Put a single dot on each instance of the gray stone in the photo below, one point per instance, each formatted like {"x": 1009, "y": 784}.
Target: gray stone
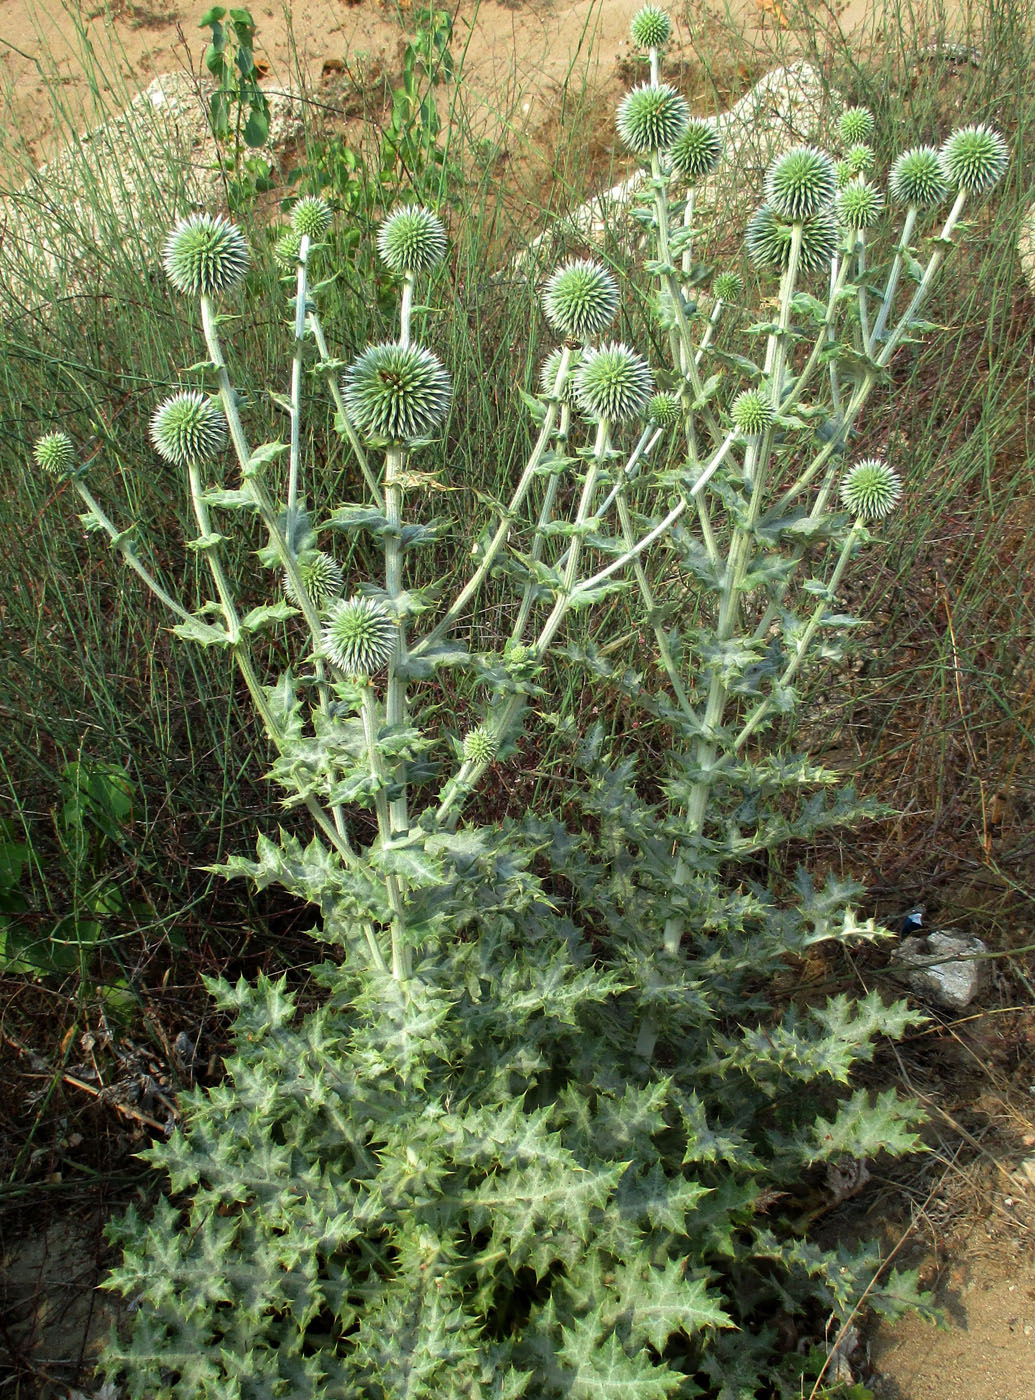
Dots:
{"x": 944, "y": 968}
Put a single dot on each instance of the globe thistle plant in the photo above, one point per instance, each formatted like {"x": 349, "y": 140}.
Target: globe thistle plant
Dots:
{"x": 663, "y": 411}
{"x": 855, "y": 126}
{"x": 411, "y": 240}
{"x": 697, "y": 152}
{"x": 480, "y": 745}
{"x": 320, "y": 576}
{"x": 651, "y": 28}
{"x": 752, "y": 412}
{"x": 580, "y": 299}
{"x": 311, "y": 217}
{"x": 359, "y": 636}
{"x": 613, "y": 383}
{"x": 205, "y": 254}
{"x": 917, "y": 178}
{"x": 286, "y": 250}
{"x": 682, "y": 575}
{"x": 651, "y": 118}
{"x": 54, "y": 454}
{"x": 859, "y": 159}
{"x": 769, "y": 239}
{"x": 728, "y": 287}
{"x": 188, "y": 428}
{"x": 973, "y": 158}
{"x": 396, "y": 393}
{"x": 800, "y": 183}
{"x": 858, "y": 205}
{"x": 871, "y": 489}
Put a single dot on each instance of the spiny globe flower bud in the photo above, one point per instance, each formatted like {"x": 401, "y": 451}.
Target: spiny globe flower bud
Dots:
{"x": 871, "y": 489}
{"x": 858, "y": 205}
{"x": 973, "y": 158}
{"x": 697, "y": 152}
{"x": 859, "y": 159}
{"x": 548, "y": 376}
{"x": 728, "y": 286}
{"x": 843, "y": 174}
{"x": 480, "y": 745}
{"x": 580, "y": 299}
{"x": 188, "y": 428}
{"x": 917, "y": 178}
{"x": 613, "y": 383}
{"x": 769, "y": 239}
{"x": 752, "y": 413}
{"x": 663, "y": 410}
{"x": 311, "y": 217}
{"x": 800, "y": 183}
{"x": 54, "y": 453}
{"x": 396, "y": 392}
{"x": 411, "y": 240}
{"x": 651, "y": 117}
{"x": 204, "y": 254}
{"x": 359, "y": 636}
{"x": 286, "y": 250}
{"x": 320, "y": 575}
{"x": 855, "y": 125}
{"x": 651, "y": 28}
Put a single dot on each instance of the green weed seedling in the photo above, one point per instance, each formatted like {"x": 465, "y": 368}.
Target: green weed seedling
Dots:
{"x": 90, "y": 829}
{"x": 239, "y": 112}
{"x": 550, "y": 1131}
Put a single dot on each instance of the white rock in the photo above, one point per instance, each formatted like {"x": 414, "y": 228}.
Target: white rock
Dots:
{"x": 945, "y": 969}
{"x": 787, "y": 107}
{"x": 121, "y": 185}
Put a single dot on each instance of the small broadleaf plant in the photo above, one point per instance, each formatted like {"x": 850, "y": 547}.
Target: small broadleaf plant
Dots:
{"x": 550, "y": 1130}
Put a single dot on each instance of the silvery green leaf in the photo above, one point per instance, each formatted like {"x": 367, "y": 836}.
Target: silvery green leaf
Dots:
{"x": 194, "y": 630}
{"x": 262, "y": 617}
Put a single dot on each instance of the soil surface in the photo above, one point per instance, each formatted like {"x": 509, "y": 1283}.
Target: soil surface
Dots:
{"x": 517, "y": 56}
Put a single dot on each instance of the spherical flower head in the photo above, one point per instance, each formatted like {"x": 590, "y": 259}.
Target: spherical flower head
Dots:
{"x": 858, "y": 205}
{"x": 859, "y": 159}
{"x": 651, "y": 118}
{"x": 728, "y": 287}
{"x": 188, "y": 428}
{"x": 974, "y": 158}
{"x": 548, "y": 376}
{"x": 697, "y": 152}
{"x": 396, "y": 392}
{"x": 855, "y": 126}
{"x": 651, "y": 28}
{"x": 359, "y": 636}
{"x": 54, "y": 453}
{"x": 411, "y": 240}
{"x": 752, "y": 413}
{"x": 613, "y": 383}
{"x": 871, "y": 489}
{"x": 286, "y": 250}
{"x": 580, "y": 299}
{"x": 320, "y": 575}
{"x": 917, "y": 178}
{"x": 769, "y": 238}
{"x": 663, "y": 410}
{"x": 480, "y": 745}
{"x": 311, "y": 217}
{"x": 204, "y": 254}
{"x": 800, "y": 183}
{"x": 843, "y": 174}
